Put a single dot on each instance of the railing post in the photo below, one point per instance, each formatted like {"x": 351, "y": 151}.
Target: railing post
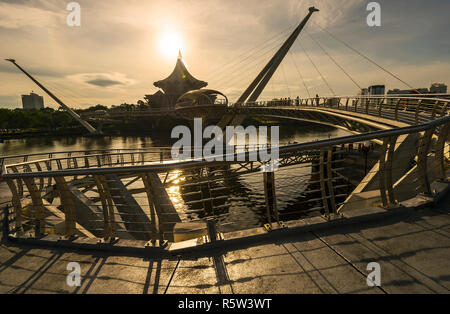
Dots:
{"x": 17, "y": 204}
{"x": 270, "y": 196}
{"x": 330, "y": 180}
{"x": 444, "y": 109}
{"x": 86, "y": 160}
{"x": 68, "y": 160}
{"x": 396, "y": 109}
{"x": 388, "y": 167}
{"x": 68, "y": 205}
{"x": 382, "y": 172}
{"x": 380, "y": 107}
{"x": 417, "y": 111}
{"x": 385, "y": 172}
{"x": 20, "y": 183}
{"x": 422, "y": 160}
{"x": 107, "y": 207}
{"x": 38, "y": 206}
{"x": 48, "y": 166}
{"x": 58, "y": 164}
{"x": 41, "y": 180}
{"x": 440, "y": 150}
{"x": 155, "y": 228}
{"x": 75, "y": 162}
{"x": 433, "y": 113}
{"x": 322, "y": 183}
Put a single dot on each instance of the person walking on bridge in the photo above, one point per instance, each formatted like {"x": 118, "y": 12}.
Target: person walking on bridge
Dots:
{"x": 317, "y": 100}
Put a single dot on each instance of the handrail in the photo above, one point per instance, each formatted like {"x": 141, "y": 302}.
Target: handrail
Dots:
{"x": 103, "y": 152}
{"x": 406, "y": 97}
{"x": 201, "y": 162}
{"x": 314, "y": 100}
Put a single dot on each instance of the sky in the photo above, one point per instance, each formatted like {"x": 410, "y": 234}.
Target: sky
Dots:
{"x": 122, "y": 47}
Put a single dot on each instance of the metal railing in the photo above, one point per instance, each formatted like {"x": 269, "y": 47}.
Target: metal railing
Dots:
{"x": 409, "y": 109}
{"x": 160, "y": 201}
{"x": 100, "y": 157}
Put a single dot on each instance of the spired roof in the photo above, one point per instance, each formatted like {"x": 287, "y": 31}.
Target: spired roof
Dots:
{"x": 180, "y": 81}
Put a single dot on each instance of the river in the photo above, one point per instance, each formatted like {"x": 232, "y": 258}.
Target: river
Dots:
{"x": 245, "y": 202}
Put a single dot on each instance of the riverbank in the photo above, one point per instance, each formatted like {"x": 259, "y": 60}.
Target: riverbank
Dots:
{"x": 18, "y": 134}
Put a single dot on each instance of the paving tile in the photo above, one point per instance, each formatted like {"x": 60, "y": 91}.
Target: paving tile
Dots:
{"x": 194, "y": 277}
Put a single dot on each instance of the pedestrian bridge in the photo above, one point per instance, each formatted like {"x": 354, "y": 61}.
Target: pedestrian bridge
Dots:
{"x": 136, "y": 194}
{"x": 357, "y": 114}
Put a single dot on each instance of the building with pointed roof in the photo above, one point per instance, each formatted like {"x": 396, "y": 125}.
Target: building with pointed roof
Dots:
{"x": 179, "y": 82}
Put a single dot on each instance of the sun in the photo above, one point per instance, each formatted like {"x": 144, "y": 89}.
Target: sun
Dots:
{"x": 170, "y": 43}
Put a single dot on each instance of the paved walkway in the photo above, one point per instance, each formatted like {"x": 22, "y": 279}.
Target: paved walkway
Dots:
{"x": 413, "y": 251}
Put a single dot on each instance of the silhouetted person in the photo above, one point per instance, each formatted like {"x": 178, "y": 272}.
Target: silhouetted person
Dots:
{"x": 317, "y": 100}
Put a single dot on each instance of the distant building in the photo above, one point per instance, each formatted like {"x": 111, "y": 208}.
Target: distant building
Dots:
{"x": 372, "y": 90}
{"x": 376, "y": 90}
{"x": 397, "y": 91}
{"x": 438, "y": 88}
{"x": 32, "y": 102}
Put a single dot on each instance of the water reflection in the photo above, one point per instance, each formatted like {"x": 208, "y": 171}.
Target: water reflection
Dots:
{"x": 237, "y": 201}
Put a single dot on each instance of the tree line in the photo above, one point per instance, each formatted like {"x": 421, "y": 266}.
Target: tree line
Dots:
{"x": 44, "y": 119}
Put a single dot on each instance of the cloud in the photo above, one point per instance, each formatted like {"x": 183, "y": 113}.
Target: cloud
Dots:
{"x": 102, "y": 79}
{"x": 118, "y": 41}
{"x": 104, "y": 83}
{"x": 16, "y": 16}
{"x": 10, "y": 101}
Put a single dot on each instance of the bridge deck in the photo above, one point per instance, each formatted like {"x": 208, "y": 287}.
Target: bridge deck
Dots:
{"x": 412, "y": 249}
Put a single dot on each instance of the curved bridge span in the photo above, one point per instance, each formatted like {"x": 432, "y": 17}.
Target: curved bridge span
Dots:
{"x": 358, "y": 114}
{"x": 376, "y": 112}
{"x": 129, "y": 194}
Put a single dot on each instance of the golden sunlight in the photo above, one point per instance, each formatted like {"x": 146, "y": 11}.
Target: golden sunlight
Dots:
{"x": 170, "y": 44}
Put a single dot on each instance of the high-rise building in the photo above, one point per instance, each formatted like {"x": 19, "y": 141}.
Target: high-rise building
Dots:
{"x": 32, "y": 102}
{"x": 376, "y": 90}
{"x": 438, "y": 88}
